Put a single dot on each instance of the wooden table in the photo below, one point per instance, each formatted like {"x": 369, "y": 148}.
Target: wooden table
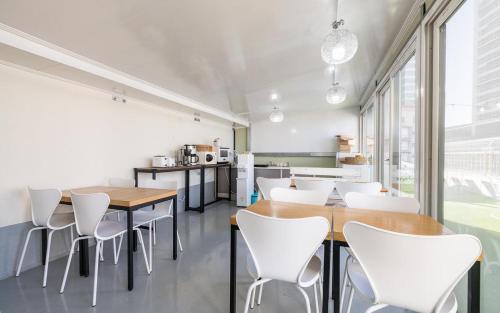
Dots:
{"x": 187, "y": 169}
{"x": 398, "y": 222}
{"x": 129, "y": 200}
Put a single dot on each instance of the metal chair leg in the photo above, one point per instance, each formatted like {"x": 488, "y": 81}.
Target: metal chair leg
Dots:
{"x": 96, "y": 271}
{"x": 26, "y": 241}
{"x": 68, "y": 264}
{"x": 47, "y": 258}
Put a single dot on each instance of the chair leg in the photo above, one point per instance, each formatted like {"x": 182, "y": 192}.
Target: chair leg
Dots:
{"x": 117, "y": 251}
{"x": 260, "y": 294}
{"x": 351, "y": 295}
{"x": 47, "y": 258}
{"x": 141, "y": 241}
{"x": 252, "y": 299}
{"x": 68, "y": 264}
{"x": 26, "y": 241}
{"x": 101, "y": 251}
{"x": 180, "y": 243}
{"x": 249, "y": 294}
{"x": 152, "y": 230}
{"x": 118, "y": 216}
{"x": 308, "y": 303}
{"x": 71, "y": 236}
{"x": 320, "y": 284}
{"x": 154, "y": 233}
{"x": 316, "y": 297}
{"x": 96, "y": 271}
{"x": 344, "y": 287}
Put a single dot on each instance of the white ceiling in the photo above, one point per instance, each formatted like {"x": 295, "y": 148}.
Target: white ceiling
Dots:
{"x": 229, "y": 54}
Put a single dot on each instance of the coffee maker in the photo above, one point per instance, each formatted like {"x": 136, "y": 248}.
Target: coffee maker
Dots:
{"x": 187, "y": 155}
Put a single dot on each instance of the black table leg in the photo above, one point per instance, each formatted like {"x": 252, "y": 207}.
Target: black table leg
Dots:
{"x": 326, "y": 274}
{"x": 84, "y": 257}
{"x": 229, "y": 192}
{"x": 136, "y": 177}
{"x": 186, "y": 191}
{"x": 336, "y": 278}
{"x": 474, "y": 288}
{"x": 216, "y": 179}
{"x": 174, "y": 229}
{"x": 44, "y": 245}
{"x": 202, "y": 189}
{"x": 232, "y": 273}
{"x": 134, "y": 241}
{"x": 130, "y": 254}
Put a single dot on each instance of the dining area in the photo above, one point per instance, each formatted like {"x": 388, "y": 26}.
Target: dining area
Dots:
{"x": 391, "y": 231}
{"x": 334, "y": 156}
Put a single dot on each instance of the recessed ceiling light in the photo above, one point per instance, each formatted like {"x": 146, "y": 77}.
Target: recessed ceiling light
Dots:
{"x": 274, "y": 97}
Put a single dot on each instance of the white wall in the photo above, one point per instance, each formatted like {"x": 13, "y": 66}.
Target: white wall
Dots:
{"x": 305, "y": 131}
{"x": 59, "y": 134}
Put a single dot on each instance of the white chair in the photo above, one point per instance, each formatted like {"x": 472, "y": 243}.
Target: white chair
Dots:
{"x": 416, "y": 273}
{"x": 283, "y": 249}
{"x": 353, "y": 274}
{"x": 382, "y": 203}
{"x": 312, "y": 197}
{"x": 343, "y": 187}
{"x": 43, "y": 204}
{"x": 89, "y": 211}
{"x": 149, "y": 217}
{"x": 307, "y": 184}
{"x": 266, "y": 184}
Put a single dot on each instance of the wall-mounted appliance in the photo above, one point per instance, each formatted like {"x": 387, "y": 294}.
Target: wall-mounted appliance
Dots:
{"x": 162, "y": 161}
{"x": 225, "y": 155}
{"x": 207, "y": 157}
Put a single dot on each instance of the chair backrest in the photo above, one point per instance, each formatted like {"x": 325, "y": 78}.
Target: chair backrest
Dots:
{"x": 43, "y": 204}
{"x": 160, "y": 184}
{"x": 367, "y": 188}
{"x": 417, "y": 273}
{"x": 121, "y": 182}
{"x": 382, "y": 203}
{"x": 306, "y": 184}
{"x": 266, "y": 184}
{"x": 89, "y": 211}
{"x": 281, "y": 248}
{"x": 313, "y": 197}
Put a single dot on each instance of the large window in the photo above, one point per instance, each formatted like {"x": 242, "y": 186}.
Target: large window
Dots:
{"x": 385, "y": 129}
{"x": 368, "y": 131}
{"x": 404, "y": 131}
{"x": 469, "y": 168}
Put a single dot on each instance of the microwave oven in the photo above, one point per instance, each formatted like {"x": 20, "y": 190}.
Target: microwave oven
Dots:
{"x": 225, "y": 155}
{"x": 207, "y": 157}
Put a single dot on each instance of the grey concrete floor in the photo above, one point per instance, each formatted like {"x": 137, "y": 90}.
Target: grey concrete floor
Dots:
{"x": 197, "y": 282}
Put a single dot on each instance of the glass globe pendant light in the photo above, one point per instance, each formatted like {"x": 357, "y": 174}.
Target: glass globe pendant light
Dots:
{"x": 276, "y": 115}
{"x": 336, "y": 94}
{"x": 339, "y": 46}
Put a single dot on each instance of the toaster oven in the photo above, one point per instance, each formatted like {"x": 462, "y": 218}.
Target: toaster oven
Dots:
{"x": 207, "y": 157}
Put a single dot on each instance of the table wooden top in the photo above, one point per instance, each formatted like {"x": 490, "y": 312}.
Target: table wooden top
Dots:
{"x": 123, "y": 197}
{"x": 399, "y": 222}
{"x": 288, "y": 210}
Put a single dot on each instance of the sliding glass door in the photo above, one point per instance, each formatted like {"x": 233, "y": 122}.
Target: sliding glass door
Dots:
{"x": 385, "y": 135}
{"x": 468, "y": 195}
{"x": 368, "y": 137}
{"x": 404, "y": 131}
{"x": 398, "y": 107}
